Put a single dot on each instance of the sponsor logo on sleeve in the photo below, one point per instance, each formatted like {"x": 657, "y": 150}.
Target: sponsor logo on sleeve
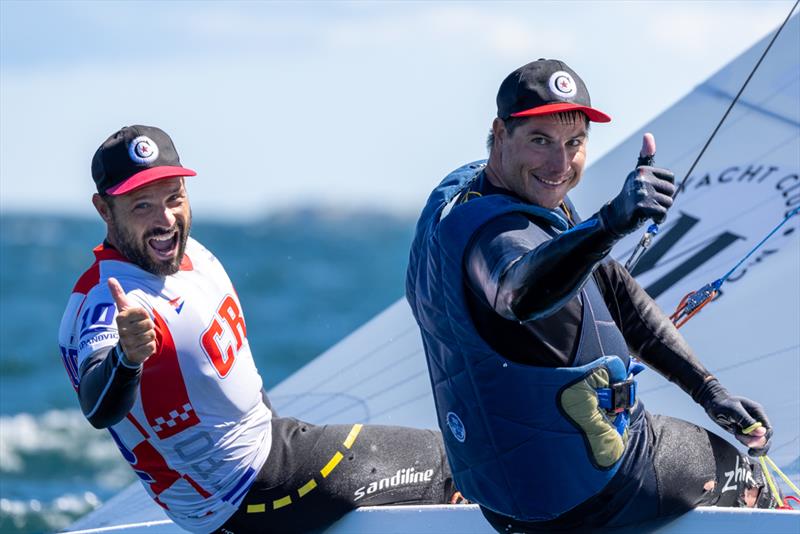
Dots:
{"x": 109, "y": 337}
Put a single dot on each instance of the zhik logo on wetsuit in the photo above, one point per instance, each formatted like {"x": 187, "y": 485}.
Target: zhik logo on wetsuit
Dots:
{"x": 739, "y": 474}
{"x": 401, "y": 478}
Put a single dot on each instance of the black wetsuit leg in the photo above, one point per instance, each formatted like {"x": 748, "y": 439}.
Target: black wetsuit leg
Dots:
{"x": 682, "y": 466}
{"x": 312, "y": 477}
{"x": 696, "y": 467}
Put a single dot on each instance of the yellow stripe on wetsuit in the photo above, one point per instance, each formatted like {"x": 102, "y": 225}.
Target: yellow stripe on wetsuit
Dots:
{"x": 311, "y": 484}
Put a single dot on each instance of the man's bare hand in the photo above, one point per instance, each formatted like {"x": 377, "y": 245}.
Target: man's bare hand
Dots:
{"x": 137, "y": 332}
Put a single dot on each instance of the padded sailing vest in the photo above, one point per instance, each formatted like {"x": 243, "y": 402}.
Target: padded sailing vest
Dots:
{"x": 526, "y": 442}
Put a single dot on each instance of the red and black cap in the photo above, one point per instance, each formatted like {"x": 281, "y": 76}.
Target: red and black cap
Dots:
{"x": 543, "y": 87}
{"x": 134, "y": 157}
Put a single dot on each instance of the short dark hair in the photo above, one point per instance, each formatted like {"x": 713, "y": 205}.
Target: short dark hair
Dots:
{"x": 512, "y": 123}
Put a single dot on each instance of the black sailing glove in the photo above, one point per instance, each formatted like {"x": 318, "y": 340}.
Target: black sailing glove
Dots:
{"x": 734, "y": 414}
{"x": 646, "y": 194}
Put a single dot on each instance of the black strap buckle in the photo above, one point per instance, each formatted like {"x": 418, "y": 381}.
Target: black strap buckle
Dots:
{"x": 619, "y": 397}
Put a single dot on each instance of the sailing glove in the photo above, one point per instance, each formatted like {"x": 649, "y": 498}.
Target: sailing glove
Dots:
{"x": 734, "y": 414}
{"x": 646, "y": 194}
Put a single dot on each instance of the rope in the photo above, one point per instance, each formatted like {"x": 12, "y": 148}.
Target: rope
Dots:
{"x": 770, "y": 482}
{"x": 782, "y": 475}
{"x": 694, "y": 301}
{"x": 766, "y": 462}
{"x": 727, "y": 275}
{"x": 736, "y": 98}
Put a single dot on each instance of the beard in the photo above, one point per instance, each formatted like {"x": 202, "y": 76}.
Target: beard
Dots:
{"x": 136, "y": 250}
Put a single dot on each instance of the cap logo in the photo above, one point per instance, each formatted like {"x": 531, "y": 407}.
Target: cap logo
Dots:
{"x": 143, "y": 150}
{"x": 562, "y": 85}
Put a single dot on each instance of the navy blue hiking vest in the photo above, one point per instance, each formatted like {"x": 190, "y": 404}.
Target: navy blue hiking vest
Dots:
{"x": 526, "y": 442}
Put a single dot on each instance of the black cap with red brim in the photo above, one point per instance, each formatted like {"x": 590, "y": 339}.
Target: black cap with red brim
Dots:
{"x": 544, "y": 87}
{"x": 133, "y": 157}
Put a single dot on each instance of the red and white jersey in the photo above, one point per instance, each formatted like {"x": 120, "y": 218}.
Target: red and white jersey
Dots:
{"x": 198, "y": 432}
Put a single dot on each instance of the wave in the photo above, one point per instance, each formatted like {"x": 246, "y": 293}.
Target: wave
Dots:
{"x": 24, "y": 516}
{"x": 49, "y": 455}
{"x": 28, "y": 442}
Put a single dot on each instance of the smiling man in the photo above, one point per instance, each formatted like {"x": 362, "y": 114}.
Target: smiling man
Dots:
{"x": 155, "y": 342}
{"x": 531, "y": 329}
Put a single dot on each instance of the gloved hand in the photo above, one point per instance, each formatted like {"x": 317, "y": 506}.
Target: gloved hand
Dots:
{"x": 735, "y": 414}
{"x": 646, "y": 194}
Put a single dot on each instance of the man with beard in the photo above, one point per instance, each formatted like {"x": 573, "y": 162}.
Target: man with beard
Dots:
{"x": 529, "y": 327}
{"x": 155, "y": 343}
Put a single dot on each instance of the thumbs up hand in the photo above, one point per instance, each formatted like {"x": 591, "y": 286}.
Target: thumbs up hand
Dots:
{"x": 137, "y": 332}
{"x": 646, "y": 194}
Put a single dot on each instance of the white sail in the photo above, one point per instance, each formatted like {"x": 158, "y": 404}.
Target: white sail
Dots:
{"x": 750, "y": 337}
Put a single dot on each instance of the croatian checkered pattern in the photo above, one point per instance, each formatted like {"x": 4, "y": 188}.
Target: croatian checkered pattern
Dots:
{"x": 174, "y": 417}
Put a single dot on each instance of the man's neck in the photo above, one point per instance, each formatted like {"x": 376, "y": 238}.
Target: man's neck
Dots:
{"x": 108, "y": 243}
{"x": 493, "y": 176}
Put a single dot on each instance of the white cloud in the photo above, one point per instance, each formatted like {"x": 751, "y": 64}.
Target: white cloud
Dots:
{"x": 490, "y": 29}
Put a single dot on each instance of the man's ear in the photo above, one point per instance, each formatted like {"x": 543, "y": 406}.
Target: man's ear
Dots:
{"x": 102, "y": 207}
{"x": 499, "y": 130}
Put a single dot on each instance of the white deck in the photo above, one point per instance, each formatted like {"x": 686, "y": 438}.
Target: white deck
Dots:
{"x": 467, "y": 519}
{"x": 442, "y": 519}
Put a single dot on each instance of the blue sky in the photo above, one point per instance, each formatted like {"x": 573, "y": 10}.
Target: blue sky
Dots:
{"x": 344, "y": 104}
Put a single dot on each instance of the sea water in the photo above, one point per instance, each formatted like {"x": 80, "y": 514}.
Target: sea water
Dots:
{"x": 306, "y": 279}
